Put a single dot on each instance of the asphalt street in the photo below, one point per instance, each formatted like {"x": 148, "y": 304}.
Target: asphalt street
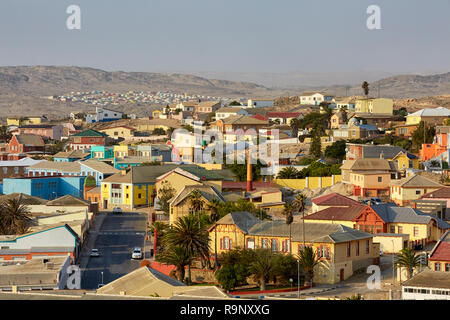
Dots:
{"x": 115, "y": 240}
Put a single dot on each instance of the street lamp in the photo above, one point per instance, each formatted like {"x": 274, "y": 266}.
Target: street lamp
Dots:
{"x": 102, "y": 278}
{"x": 393, "y": 264}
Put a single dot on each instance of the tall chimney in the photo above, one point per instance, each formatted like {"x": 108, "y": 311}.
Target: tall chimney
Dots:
{"x": 249, "y": 174}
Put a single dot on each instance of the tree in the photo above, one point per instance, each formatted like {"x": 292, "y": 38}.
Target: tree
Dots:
{"x": 299, "y": 204}
{"x": 423, "y": 134}
{"x": 177, "y": 256}
{"x": 315, "y": 149}
{"x": 288, "y": 212}
{"x": 308, "y": 261}
{"x": 165, "y": 193}
{"x": 234, "y": 103}
{"x": 365, "y": 87}
{"x": 336, "y": 150}
{"x": 5, "y": 136}
{"x": 14, "y": 218}
{"x": 187, "y": 127}
{"x": 196, "y": 202}
{"x": 213, "y": 206}
{"x": 90, "y": 182}
{"x": 190, "y": 235}
{"x": 235, "y": 268}
{"x": 159, "y": 132}
{"x": 407, "y": 259}
{"x": 262, "y": 267}
{"x": 288, "y": 173}
{"x": 285, "y": 267}
{"x": 295, "y": 125}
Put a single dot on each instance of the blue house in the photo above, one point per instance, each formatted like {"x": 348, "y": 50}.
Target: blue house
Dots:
{"x": 70, "y": 156}
{"x": 45, "y": 187}
{"x": 98, "y": 169}
{"x": 102, "y": 152}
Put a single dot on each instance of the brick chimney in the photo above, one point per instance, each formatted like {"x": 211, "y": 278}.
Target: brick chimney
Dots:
{"x": 249, "y": 174}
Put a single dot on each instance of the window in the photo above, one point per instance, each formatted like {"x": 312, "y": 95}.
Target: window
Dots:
{"x": 368, "y": 246}
{"x": 300, "y": 248}
{"x": 225, "y": 243}
{"x": 416, "y": 231}
{"x": 349, "y": 249}
{"x": 139, "y": 196}
{"x": 191, "y": 211}
{"x": 286, "y": 245}
{"x": 357, "y": 248}
{"x": 274, "y": 245}
{"x": 264, "y": 243}
{"x": 251, "y": 243}
{"x": 5, "y": 170}
{"x": 417, "y": 191}
{"x": 399, "y": 229}
{"x": 380, "y": 179}
{"x": 447, "y": 267}
{"x": 437, "y": 266}
{"x": 392, "y": 229}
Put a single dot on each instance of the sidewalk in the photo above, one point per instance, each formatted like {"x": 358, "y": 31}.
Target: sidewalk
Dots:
{"x": 89, "y": 243}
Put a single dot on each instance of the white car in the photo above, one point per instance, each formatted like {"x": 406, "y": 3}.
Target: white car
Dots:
{"x": 94, "y": 253}
{"x": 137, "y": 253}
{"x": 117, "y": 210}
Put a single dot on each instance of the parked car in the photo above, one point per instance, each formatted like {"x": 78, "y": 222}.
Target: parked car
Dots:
{"x": 137, "y": 253}
{"x": 117, "y": 210}
{"x": 94, "y": 253}
{"x": 376, "y": 200}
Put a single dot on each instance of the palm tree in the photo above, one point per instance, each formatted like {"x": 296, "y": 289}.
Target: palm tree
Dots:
{"x": 196, "y": 202}
{"x": 288, "y": 213}
{"x": 213, "y": 207}
{"x": 295, "y": 125}
{"x": 188, "y": 233}
{"x": 14, "y": 218}
{"x": 299, "y": 204}
{"x": 262, "y": 267}
{"x": 288, "y": 173}
{"x": 177, "y": 256}
{"x": 365, "y": 87}
{"x": 308, "y": 261}
{"x": 409, "y": 260}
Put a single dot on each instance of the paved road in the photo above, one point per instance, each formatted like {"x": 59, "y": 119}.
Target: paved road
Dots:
{"x": 115, "y": 240}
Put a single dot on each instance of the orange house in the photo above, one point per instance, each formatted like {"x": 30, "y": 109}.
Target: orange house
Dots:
{"x": 439, "y": 146}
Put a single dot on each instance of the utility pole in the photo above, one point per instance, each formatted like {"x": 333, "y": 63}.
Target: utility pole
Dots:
{"x": 298, "y": 278}
{"x": 393, "y": 264}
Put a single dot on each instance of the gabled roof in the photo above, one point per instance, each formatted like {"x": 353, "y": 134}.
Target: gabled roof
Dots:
{"x": 243, "y": 220}
{"x": 408, "y": 155}
{"x": 59, "y": 166}
{"x": 68, "y": 201}
{"x": 241, "y": 119}
{"x": 207, "y": 192}
{"x": 99, "y": 166}
{"x": 30, "y": 140}
{"x": 24, "y": 198}
{"x": 441, "y": 251}
{"x": 364, "y": 164}
{"x": 75, "y": 154}
{"x": 443, "y": 192}
{"x": 390, "y": 213}
{"x": 90, "y": 133}
{"x": 334, "y": 199}
{"x": 228, "y": 110}
{"x": 431, "y": 112}
{"x": 429, "y": 279}
{"x": 283, "y": 114}
{"x": 337, "y": 213}
{"x": 416, "y": 181}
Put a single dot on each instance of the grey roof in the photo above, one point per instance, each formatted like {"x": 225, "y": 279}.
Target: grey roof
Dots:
{"x": 243, "y": 220}
{"x": 429, "y": 279}
{"x": 391, "y": 214}
{"x": 207, "y": 192}
{"x": 314, "y": 232}
{"x": 100, "y": 166}
{"x": 374, "y": 151}
{"x": 69, "y": 201}
{"x": 55, "y": 165}
{"x": 417, "y": 181}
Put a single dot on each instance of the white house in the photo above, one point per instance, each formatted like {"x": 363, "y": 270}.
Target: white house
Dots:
{"x": 103, "y": 115}
{"x": 315, "y": 98}
{"x": 259, "y": 103}
{"x": 427, "y": 285}
{"x": 226, "y": 112}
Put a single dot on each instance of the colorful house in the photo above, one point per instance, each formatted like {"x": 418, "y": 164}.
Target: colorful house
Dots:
{"x": 406, "y": 160}
{"x": 269, "y": 200}
{"x": 439, "y": 259}
{"x": 433, "y": 116}
{"x": 21, "y": 120}
{"x": 379, "y": 106}
{"x": 102, "y": 152}
{"x": 405, "y": 190}
{"x": 24, "y": 144}
{"x": 49, "y": 131}
{"x": 87, "y": 139}
{"x": 97, "y": 169}
{"x": 357, "y": 151}
{"x": 121, "y": 131}
{"x": 440, "y": 146}
{"x": 342, "y": 250}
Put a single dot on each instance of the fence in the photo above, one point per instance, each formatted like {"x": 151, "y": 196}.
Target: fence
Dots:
{"x": 309, "y": 182}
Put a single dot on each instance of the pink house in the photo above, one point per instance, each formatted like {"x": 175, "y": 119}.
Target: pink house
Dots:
{"x": 53, "y": 132}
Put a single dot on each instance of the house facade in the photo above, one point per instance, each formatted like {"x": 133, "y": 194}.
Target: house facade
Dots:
{"x": 103, "y": 115}
{"x": 54, "y": 132}
{"x": 315, "y": 98}
{"x": 87, "y": 139}
{"x": 404, "y": 191}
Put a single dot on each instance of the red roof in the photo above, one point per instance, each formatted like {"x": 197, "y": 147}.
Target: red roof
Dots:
{"x": 440, "y": 193}
{"x": 283, "y": 114}
{"x": 334, "y": 199}
{"x": 337, "y": 213}
{"x": 260, "y": 117}
{"x": 442, "y": 251}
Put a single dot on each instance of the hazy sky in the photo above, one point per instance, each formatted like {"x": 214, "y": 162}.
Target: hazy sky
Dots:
{"x": 228, "y": 35}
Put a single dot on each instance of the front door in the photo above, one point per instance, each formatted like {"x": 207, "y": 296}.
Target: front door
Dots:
{"x": 341, "y": 275}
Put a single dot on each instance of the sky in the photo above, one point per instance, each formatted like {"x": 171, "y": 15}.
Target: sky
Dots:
{"x": 217, "y": 36}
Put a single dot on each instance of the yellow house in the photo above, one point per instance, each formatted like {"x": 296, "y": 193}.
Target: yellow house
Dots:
{"x": 332, "y": 200}
{"x": 341, "y": 250}
{"x": 156, "y": 113}
{"x": 340, "y": 215}
{"x": 21, "y": 120}
{"x": 406, "y": 160}
{"x": 119, "y": 132}
{"x": 379, "y": 106}
{"x": 271, "y": 201}
{"x": 189, "y": 176}
{"x": 180, "y": 204}
{"x": 122, "y": 151}
{"x": 434, "y": 116}
{"x": 412, "y": 188}
{"x": 132, "y": 188}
